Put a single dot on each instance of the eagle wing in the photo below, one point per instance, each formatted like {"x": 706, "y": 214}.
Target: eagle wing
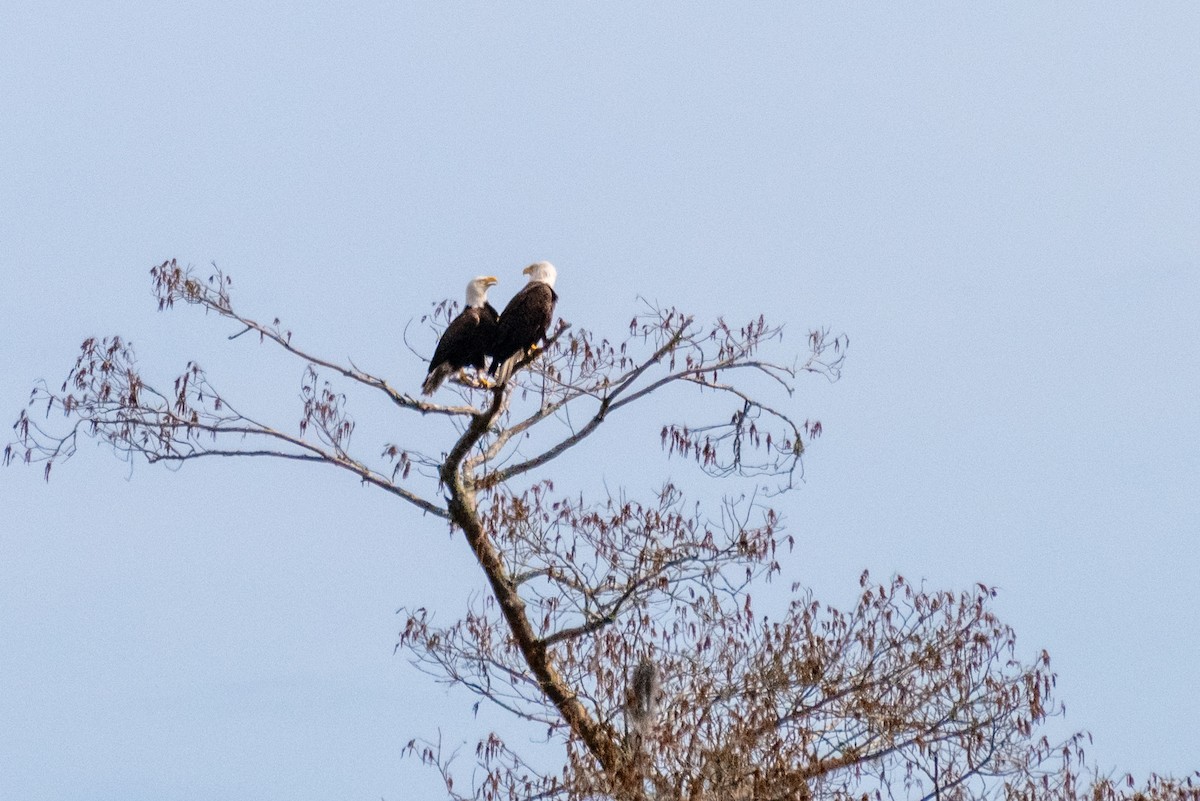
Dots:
{"x": 464, "y": 343}
{"x": 523, "y": 322}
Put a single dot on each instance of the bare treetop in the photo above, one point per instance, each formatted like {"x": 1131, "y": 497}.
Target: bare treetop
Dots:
{"x": 106, "y": 396}
{"x": 624, "y": 630}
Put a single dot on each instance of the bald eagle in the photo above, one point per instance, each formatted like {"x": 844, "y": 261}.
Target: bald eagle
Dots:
{"x": 524, "y": 320}
{"x": 467, "y": 339}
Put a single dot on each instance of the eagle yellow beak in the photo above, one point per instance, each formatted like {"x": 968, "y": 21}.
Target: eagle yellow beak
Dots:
{"x": 490, "y": 280}
{"x": 527, "y": 270}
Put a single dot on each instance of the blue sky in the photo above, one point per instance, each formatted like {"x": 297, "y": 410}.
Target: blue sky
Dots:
{"x": 997, "y": 204}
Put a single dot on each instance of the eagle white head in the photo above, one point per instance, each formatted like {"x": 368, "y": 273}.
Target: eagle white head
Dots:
{"x": 477, "y": 290}
{"x": 541, "y": 271}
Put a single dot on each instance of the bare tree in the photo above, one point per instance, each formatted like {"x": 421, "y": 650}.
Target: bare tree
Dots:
{"x": 625, "y": 628}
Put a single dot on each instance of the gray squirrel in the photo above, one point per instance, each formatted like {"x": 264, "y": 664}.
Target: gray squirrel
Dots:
{"x": 644, "y": 692}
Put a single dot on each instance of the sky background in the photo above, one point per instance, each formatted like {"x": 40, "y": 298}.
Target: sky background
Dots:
{"x": 997, "y": 204}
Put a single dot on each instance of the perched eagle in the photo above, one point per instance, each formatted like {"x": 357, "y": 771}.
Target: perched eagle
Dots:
{"x": 524, "y": 320}
{"x": 467, "y": 339}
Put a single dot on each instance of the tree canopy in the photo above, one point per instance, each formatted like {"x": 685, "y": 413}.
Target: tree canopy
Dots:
{"x": 621, "y": 626}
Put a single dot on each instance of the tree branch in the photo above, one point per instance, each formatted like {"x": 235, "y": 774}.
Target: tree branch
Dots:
{"x": 464, "y": 513}
{"x": 173, "y": 282}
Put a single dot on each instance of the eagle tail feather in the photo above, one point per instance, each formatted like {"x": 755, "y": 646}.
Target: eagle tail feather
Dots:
{"x": 508, "y": 367}
{"x": 435, "y": 378}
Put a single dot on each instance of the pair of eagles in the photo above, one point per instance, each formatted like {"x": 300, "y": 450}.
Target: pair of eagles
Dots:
{"x": 479, "y": 332}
